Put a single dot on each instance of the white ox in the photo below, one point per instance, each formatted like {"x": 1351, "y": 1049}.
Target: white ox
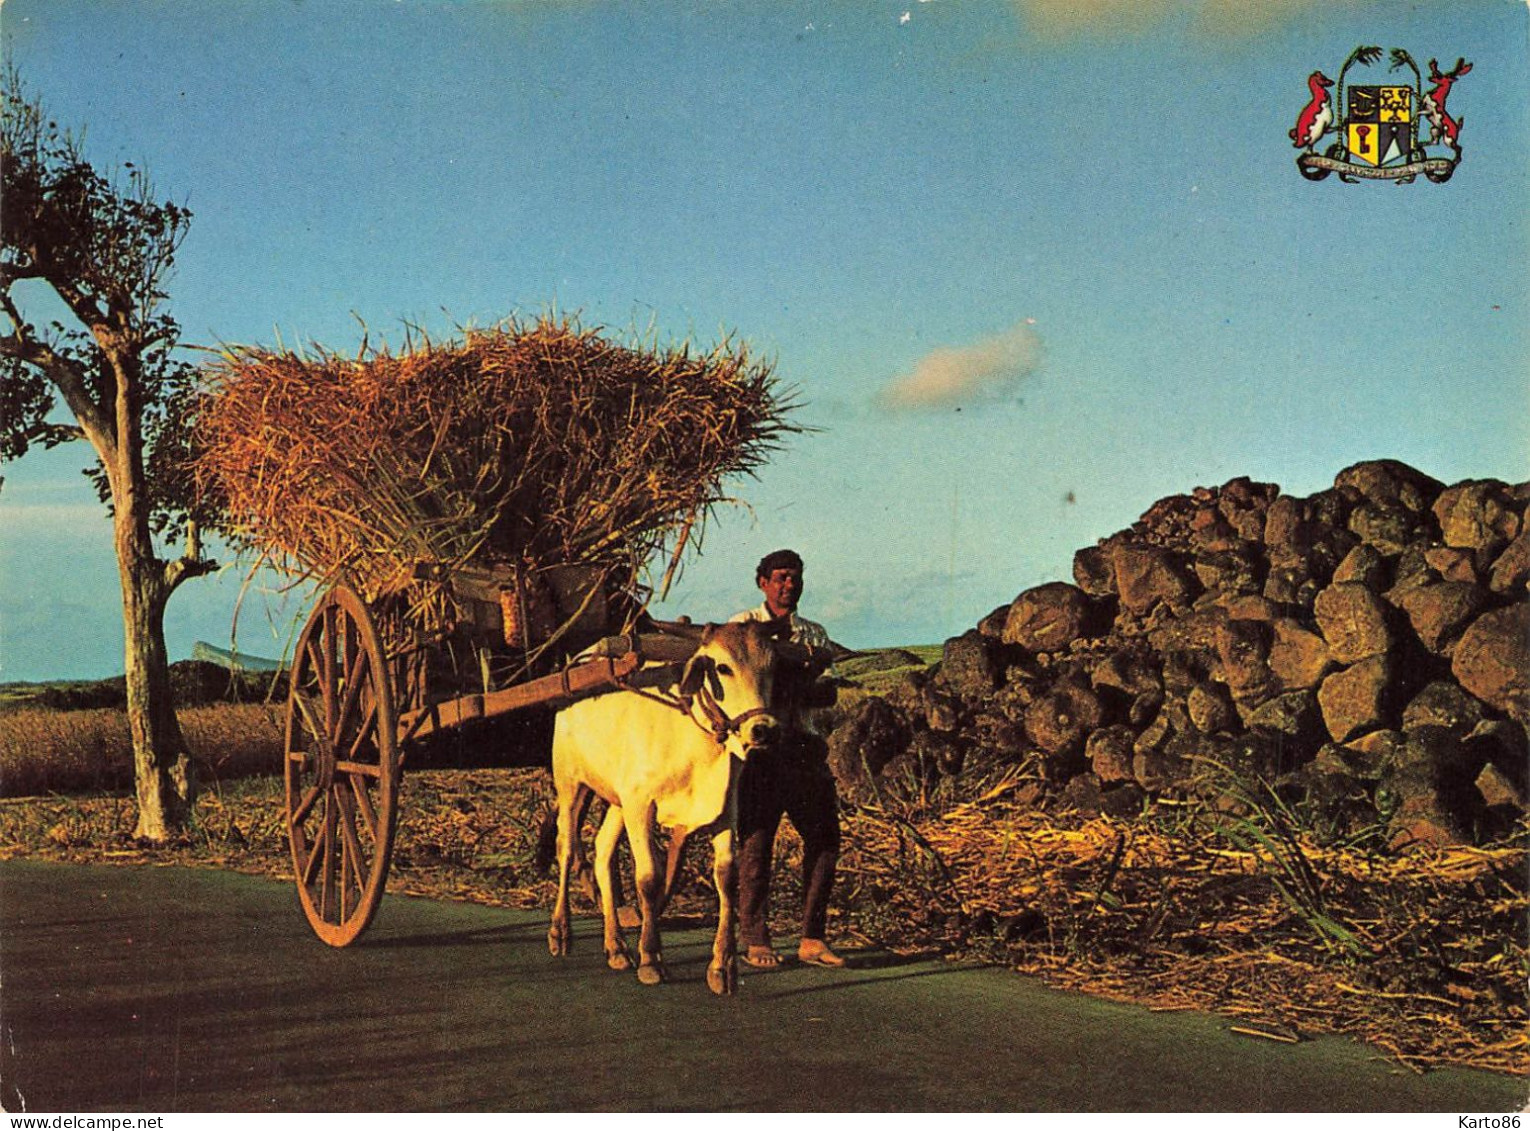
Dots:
{"x": 673, "y": 761}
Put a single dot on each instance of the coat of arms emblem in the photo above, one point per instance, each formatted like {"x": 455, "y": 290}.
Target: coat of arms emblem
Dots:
{"x": 1378, "y": 137}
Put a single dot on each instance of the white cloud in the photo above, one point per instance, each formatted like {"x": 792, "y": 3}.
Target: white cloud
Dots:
{"x": 984, "y": 371}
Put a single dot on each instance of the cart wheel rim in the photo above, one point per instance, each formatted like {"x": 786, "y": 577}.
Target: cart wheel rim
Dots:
{"x": 341, "y": 768}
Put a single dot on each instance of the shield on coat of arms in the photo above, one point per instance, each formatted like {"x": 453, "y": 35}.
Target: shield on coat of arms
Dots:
{"x": 1379, "y": 125}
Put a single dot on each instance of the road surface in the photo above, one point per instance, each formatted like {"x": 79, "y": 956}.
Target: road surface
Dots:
{"x": 138, "y": 989}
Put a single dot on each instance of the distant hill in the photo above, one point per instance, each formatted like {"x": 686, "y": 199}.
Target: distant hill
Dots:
{"x": 234, "y": 661}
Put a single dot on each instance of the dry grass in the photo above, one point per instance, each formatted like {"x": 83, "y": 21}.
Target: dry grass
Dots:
{"x": 528, "y": 445}
{"x": 44, "y": 751}
{"x": 1422, "y": 955}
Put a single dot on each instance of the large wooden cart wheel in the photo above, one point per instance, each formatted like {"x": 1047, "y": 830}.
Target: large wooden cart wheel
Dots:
{"x": 342, "y": 768}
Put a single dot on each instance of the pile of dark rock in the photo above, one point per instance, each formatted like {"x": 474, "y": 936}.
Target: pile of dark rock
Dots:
{"x": 1364, "y": 653}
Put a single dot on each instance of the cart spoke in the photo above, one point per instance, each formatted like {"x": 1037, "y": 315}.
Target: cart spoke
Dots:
{"x": 328, "y": 665}
{"x": 305, "y": 706}
{"x": 305, "y": 807}
{"x": 332, "y": 850}
{"x": 315, "y": 857}
{"x": 367, "y": 731}
{"x": 364, "y": 803}
{"x": 353, "y": 851}
{"x": 353, "y": 686}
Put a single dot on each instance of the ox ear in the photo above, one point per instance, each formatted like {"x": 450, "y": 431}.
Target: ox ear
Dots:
{"x": 695, "y": 673}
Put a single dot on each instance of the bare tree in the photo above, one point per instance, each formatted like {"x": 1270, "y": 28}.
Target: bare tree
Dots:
{"x": 105, "y": 250}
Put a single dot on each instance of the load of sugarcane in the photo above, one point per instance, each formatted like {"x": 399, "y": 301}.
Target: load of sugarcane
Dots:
{"x": 531, "y": 444}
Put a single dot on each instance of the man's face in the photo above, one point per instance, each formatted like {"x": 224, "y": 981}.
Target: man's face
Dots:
{"x": 782, "y": 589}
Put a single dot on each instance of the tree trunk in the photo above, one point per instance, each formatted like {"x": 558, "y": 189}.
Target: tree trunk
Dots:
{"x": 163, "y": 772}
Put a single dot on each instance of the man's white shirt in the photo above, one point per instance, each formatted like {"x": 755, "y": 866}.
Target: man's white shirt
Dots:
{"x": 806, "y": 632}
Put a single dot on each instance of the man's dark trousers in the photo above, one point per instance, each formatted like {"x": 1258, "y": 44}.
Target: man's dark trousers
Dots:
{"x": 793, "y": 779}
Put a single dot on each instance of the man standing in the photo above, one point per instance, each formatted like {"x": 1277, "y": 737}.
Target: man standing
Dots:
{"x": 791, "y": 779}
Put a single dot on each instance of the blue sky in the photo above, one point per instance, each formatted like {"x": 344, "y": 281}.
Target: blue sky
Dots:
{"x": 1072, "y": 235}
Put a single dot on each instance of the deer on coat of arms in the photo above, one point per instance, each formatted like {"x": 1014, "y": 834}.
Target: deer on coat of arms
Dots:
{"x": 1441, "y": 125}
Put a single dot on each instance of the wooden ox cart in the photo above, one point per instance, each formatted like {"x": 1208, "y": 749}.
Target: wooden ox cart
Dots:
{"x": 360, "y": 696}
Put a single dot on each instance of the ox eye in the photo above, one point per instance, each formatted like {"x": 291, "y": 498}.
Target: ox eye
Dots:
{"x": 724, "y": 670}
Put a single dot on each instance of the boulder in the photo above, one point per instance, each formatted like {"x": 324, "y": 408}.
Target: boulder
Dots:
{"x": 1193, "y": 631}
{"x": 1243, "y": 647}
{"x": 1511, "y": 569}
{"x": 1248, "y": 606}
{"x": 1497, "y": 788}
{"x": 994, "y": 740}
{"x": 870, "y": 737}
{"x": 1211, "y": 533}
{"x": 967, "y": 665}
{"x": 1059, "y": 722}
{"x": 1298, "y": 658}
{"x": 1293, "y": 716}
{"x": 1354, "y": 700}
{"x": 1095, "y": 571}
{"x": 1390, "y": 530}
{"x": 1492, "y": 660}
{"x": 1229, "y": 571}
{"x": 1391, "y": 483}
{"x": 1443, "y": 704}
{"x": 1452, "y": 564}
{"x": 1147, "y": 576}
{"x": 1109, "y": 751}
{"x": 1082, "y": 795}
{"x": 1440, "y": 611}
{"x": 1291, "y": 586}
{"x": 1050, "y": 617}
{"x": 1130, "y": 672}
{"x": 1506, "y": 746}
{"x": 1288, "y": 536}
{"x": 1410, "y": 570}
{"x": 1431, "y": 785}
{"x": 1364, "y": 565}
{"x": 1243, "y": 503}
{"x": 1353, "y": 620}
{"x": 992, "y": 625}
{"x": 1478, "y": 515}
{"x": 1210, "y": 709}
{"x": 1161, "y": 769}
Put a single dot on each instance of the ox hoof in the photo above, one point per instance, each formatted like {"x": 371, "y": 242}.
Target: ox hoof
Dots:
{"x": 723, "y": 980}
{"x": 651, "y": 973}
{"x": 558, "y": 942}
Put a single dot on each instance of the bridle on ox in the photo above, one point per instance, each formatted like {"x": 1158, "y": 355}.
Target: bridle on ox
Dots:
{"x": 719, "y": 724}
{"x": 722, "y": 725}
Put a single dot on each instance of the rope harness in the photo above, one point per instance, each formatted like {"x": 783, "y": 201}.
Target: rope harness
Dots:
{"x": 719, "y": 724}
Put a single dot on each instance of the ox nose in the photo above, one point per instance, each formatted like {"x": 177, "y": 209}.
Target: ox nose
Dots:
{"x": 761, "y": 731}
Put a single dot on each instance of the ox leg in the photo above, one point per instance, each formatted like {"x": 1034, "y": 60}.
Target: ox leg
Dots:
{"x": 722, "y": 974}
{"x": 606, "y": 841}
{"x": 580, "y": 872}
{"x": 560, "y": 935}
{"x": 677, "y": 838}
{"x": 650, "y": 892}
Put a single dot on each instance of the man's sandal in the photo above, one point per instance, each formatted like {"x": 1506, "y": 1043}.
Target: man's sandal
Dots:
{"x": 816, "y": 952}
{"x": 761, "y": 958}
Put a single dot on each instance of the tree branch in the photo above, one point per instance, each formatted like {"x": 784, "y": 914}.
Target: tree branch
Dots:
{"x": 67, "y": 375}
